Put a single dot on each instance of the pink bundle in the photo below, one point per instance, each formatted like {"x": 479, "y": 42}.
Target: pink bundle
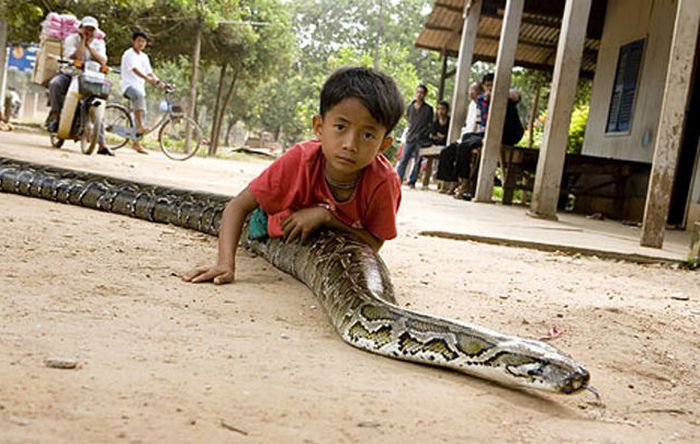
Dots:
{"x": 59, "y": 26}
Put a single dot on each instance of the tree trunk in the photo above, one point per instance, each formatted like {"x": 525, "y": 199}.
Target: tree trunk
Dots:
{"x": 3, "y": 61}
{"x": 380, "y": 36}
{"x": 214, "y": 139}
{"x": 196, "y": 52}
{"x": 229, "y": 127}
{"x": 218, "y": 118}
{"x": 533, "y": 111}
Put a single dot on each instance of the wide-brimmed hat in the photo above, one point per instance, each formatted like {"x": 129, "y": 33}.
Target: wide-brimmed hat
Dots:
{"x": 90, "y": 21}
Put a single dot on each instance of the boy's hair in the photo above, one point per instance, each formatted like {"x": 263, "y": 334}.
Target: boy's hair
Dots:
{"x": 487, "y": 78}
{"x": 444, "y": 103}
{"x": 377, "y": 92}
{"x": 138, "y": 33}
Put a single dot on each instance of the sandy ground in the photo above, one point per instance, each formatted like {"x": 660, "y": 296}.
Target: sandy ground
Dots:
{"x": 258, "y": 362}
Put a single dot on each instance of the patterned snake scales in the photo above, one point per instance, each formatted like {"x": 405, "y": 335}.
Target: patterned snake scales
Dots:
{"x": 350, "y": 280}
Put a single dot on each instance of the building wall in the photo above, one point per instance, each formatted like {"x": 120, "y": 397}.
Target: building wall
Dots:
{"x": 627, "y": 21}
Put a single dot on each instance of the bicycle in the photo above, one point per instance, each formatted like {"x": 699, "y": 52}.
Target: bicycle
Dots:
{"x": 179, "y": 136}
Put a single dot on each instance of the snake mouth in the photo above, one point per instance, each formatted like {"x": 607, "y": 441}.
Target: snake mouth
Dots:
{"x": 576, "y": 382}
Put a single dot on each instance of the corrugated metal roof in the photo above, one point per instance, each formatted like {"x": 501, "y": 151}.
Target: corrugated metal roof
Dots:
{"x": 539, "y": 32}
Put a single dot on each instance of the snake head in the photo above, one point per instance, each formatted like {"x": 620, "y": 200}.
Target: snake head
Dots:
{"x": 539, "y": 365}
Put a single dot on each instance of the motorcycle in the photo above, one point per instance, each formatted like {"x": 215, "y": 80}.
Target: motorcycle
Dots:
{"x": 84, "y": 106}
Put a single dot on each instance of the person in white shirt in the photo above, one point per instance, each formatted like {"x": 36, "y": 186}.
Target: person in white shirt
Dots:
{"x": 83, "y": 46}
{"x": 135, "y": 72}
{"x": 473, "y": 122}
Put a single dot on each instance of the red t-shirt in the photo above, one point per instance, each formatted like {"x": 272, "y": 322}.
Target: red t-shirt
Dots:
{"x": 297, "y": 180}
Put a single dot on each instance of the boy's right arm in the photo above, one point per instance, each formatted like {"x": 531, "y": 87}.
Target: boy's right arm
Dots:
{"x": 230, "y": 232}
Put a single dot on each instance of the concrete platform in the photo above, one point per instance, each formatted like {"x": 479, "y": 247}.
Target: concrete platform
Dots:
{"x": 431, "y": 213}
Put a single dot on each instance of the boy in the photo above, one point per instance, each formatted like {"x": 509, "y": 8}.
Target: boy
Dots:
{"x": 340, "y": 181}
{"x": 135, "y": 72}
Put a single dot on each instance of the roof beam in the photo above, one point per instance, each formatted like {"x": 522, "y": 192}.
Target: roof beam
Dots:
{"x": 449, "y": 7}
{"x": 432, "y": 27}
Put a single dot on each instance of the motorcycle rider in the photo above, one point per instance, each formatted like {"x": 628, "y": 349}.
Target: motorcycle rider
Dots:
{"x": 82, "y": 46}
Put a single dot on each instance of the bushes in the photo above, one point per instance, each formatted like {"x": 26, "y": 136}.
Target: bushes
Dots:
{"x": 577, "y": 129}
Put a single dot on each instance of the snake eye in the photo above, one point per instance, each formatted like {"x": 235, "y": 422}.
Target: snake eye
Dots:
{"x": 537, "y": 371}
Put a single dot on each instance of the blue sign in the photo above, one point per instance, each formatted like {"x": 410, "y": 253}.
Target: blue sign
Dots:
{"x": 22, "y": 57}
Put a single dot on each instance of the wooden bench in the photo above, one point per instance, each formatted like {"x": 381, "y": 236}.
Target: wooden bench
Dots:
{"x": 430, "y": 154}
{"x": 516, "y": 164}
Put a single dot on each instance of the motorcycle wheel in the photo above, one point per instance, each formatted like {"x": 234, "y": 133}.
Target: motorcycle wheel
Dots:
{"x": 91, "y": 130}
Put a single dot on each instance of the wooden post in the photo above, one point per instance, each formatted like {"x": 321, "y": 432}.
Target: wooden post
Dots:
{"x": 668, "y": 139}
{"x": 694, "y": 254}
{"x": 443, "y": 74}
{"x": 472, "y": 14}
{"x": 491, "y": 150}
{"x": 550, "y": 164}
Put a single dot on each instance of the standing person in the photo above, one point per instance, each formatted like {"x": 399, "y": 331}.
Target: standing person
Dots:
{"x": 341, "y": 181}
{"x": 135, "y": 72}
{"x": 420, "y": 120}
{"x": 85, "y": 47}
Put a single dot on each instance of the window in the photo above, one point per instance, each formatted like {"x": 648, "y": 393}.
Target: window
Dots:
{"x": 624, "y": 90}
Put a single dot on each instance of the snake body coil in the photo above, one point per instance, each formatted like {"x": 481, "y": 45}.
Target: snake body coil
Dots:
{"x": 350, "y": 280}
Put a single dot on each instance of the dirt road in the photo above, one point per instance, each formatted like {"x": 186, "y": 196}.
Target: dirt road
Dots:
{"x": 257, "y": 362}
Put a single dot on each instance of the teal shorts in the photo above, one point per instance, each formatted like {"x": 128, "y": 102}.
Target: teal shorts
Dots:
{"x": 257, "y": 224}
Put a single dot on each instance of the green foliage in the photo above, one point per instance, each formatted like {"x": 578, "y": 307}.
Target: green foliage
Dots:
{"x": 281, "y": 65}
{"x": 23, "y": 19}
{"x": 577, "y": 129}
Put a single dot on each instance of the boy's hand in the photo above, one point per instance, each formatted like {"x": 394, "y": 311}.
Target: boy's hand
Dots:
{"x": 219, "y": 274}
{"x": 303, "y": 223}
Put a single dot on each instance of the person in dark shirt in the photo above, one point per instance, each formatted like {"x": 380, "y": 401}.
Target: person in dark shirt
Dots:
{"x": 441, "y": 124}
{"x": 420, "y": 120}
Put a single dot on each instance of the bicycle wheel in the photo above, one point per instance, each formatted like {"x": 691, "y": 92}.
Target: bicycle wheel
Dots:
{"x": 91, "y": 131}
{"x": 174, "y": 141}
{"x": 116, "y": 116}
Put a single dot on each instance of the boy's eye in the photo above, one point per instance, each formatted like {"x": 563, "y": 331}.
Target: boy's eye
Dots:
{"x": 369, "y": 136}
{"x": 339, "y": 126}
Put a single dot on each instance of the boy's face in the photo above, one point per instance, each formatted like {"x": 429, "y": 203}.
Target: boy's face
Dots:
{"x": 140, "y": 43}
{"x": 442, "y": 110}
{"x": 420, "y": 94}
{"x": 350, "y": 139}
{"x": 488, "y": 86}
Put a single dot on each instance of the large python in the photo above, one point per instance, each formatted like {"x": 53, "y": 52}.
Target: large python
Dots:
{"x": 350, "y": 280}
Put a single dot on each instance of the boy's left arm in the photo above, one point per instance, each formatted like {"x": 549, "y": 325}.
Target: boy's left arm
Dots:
{"x": 305, "y": 222}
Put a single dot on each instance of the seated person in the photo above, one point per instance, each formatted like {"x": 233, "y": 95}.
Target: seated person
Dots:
{"x": 83, "y": 46}
{"x": 447, "y": 169}
{"x": 135, "y": 72}
{"x": 341, "y": 181}
{"x": 458, "y": 165}
{"x": 441, "y": 124}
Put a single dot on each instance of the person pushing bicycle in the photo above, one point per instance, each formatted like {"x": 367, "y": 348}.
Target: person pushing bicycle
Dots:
{"x": 135, "y": 72}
